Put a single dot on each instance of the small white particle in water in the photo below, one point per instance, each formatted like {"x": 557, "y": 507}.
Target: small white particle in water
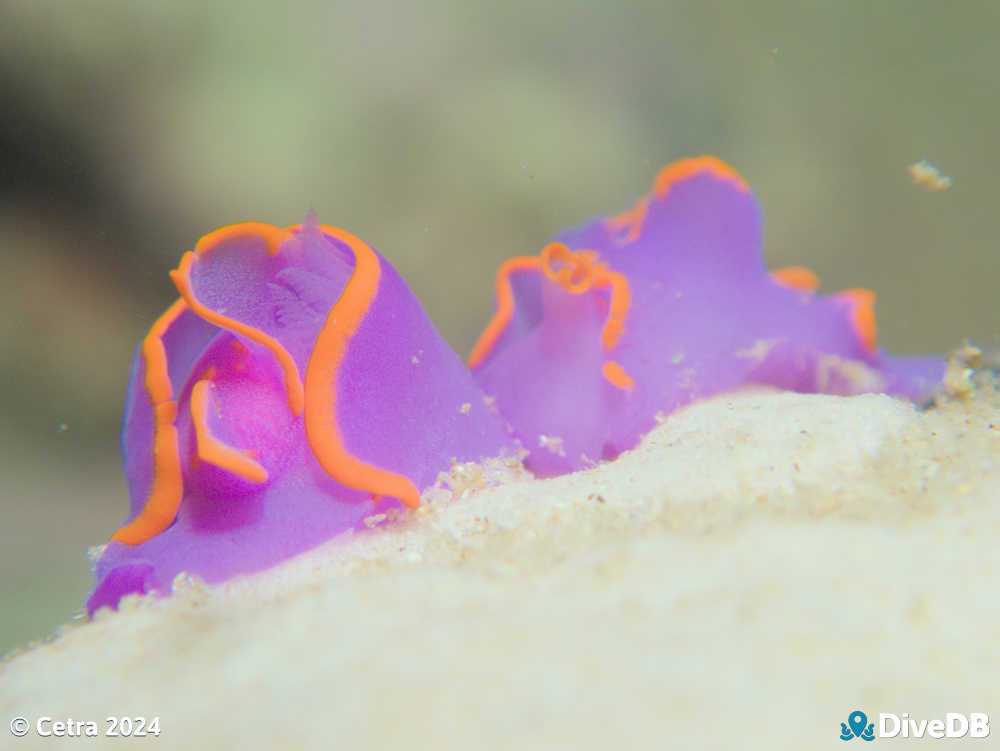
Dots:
{"x": 927, "y": 176}
{"x": 465, "y": 408}
{"x": 415, "y": 360}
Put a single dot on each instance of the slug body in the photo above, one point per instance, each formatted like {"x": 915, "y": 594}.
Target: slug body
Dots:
{"x": 296, "y": 388}
{"x": 632, "y": 316}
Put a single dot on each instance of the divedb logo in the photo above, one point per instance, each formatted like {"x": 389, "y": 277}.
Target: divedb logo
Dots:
{"x": 954, "y": 725}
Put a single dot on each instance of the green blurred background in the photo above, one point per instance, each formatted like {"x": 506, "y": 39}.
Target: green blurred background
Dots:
{"x": 449, "y": 135}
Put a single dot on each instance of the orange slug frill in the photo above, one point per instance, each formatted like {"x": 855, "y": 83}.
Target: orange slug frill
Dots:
{"x": 862, "y": 302}
{"x": 296, "y": 389}
{"x": 581, "y": 270}
{"x": 797, "y": 277}
{"x": 211, "y": 449}
{"x": 630, "y": 223}
{"x": 562, "y": 275}
{"x": 293, "y": 382}
{"x": 621, "y": 299}
{"x": 272, "y": 237}
{"x": 573, "y": 271}
{"x": 671, "y": 303}
{"x": 567, "y": 312}
{"x": 166, "y": 487}
{"x": 685, "y": 169}
{"x": 505, "y": 306}
{"x": 322, "y": 427}
{"x": 237, "y": 431}
{"x": 615, "y": 375}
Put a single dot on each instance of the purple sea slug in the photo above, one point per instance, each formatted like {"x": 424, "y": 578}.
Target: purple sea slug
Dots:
{"x": 294, "y": 389}
{"x": 629, "y": 317}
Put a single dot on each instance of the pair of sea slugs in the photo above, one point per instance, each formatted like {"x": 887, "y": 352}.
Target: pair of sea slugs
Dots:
{"x": 297, "y": 387}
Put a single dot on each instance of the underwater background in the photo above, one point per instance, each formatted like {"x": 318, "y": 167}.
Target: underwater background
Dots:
{"x": 449, "y": 136}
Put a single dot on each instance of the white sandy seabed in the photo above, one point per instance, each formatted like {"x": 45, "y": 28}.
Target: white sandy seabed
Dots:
{"x": 761, "y": 566}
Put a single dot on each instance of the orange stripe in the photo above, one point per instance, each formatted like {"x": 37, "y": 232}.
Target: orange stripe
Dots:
{"x": 685, "y": 168}
{"x": 669, "y": 176}
{"x": 505, "y": 306}
{"x": 167, "y": 484}
{"x": 597, "y": 275}
{"x": 211, "y": 449}
{"x": 322, "y": 430}
{"x": 157, "y": 379}
{"x": 616, "y": 376}
{"x": 632, "y": 219}
{"x": 862, "y": 315}
{"x": 797, "y": 277}
{"x": 575, "y": 266}
{"x": 641, "y": 207}
{"x": 271, "y": 235}
{"x": 624, "y": 219}
{"x": 621, "y": 300}
{"x": 293, "y": 382}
